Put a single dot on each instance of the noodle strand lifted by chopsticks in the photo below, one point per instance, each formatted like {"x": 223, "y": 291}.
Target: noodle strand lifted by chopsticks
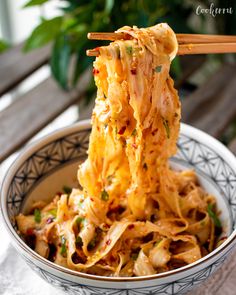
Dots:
{"x": 134, "y": 215}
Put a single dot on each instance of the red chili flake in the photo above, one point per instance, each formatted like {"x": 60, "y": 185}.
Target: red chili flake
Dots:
{"x": 131, "y": 226}
{"x": 49, "y": 220}
{"x": 112, "y": 258}
{"x": 151, "y": 151}
{"x": 122, "y": 130}
{"x": 30, "y": 231}
{"x": 134, "y": 145}
{"x": 154, "y": 132}
{"x": 106, "y": 225}
{"x": 133, "y": 71}
{"x": 95, "y": 71}
{"x": 127, "y": 122}
{"x": 59, "y": 194}
{"x": 92, "y": 199}
{"x": 108, "y": 242}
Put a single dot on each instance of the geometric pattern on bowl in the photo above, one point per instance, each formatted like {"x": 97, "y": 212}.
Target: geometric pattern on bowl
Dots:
{"x": 74, "y": 146}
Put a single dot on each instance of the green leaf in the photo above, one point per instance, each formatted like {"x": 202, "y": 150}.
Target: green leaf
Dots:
{"x": 109, "y": 5}
{"x": 60, "y": 60}
{"x": 34, "y": 3}
{"x": 3, "y": 46}
{"x": 212, "y": 214}
{"x": 43, "y": 33}
{"x": 37, "y": 215}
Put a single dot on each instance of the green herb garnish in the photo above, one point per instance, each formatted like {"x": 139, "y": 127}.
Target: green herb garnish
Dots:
{"x": 167, "y": 127}
{"x": 79, "y": 241}
{"x": 37, "y": 215}
{"x": 53, "y": 212}
{"x": 79, "y": 220}
{"x": 212, "y": 214}
{"x": 158, "y": 69}
{"x": 129, "y": 49}
{"x": 157, "y": 242}
{"x": 134, "y": 256}
{"x": 134, "y": 132}
{"x": 104, "y": 195}
{"x": 67, "y": 190}
{"x": 63, "y": 246}
{"x": 92, "y": 244}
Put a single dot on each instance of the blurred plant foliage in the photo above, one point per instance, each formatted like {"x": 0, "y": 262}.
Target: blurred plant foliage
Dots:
{"x": 68, "y": 31}
{"x": 3, "y": 46}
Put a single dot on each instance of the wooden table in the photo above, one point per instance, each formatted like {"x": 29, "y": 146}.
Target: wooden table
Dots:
{"x": 212, "y": 107}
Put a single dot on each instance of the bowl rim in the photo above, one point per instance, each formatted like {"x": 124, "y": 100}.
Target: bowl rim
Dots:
{"x": 83, "y": 125}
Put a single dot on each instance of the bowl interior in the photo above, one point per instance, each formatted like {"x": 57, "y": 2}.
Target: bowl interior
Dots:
{"x": 44, "y": 168}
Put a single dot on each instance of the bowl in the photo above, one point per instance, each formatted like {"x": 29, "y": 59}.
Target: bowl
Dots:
{"x": 51, "y": 162}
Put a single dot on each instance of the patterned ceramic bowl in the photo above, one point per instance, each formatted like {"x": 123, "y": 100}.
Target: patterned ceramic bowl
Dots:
{"x": 46, "y": 165}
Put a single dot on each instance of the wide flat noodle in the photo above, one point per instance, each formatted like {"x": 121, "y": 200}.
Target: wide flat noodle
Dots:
{"x": 133, "y": 215}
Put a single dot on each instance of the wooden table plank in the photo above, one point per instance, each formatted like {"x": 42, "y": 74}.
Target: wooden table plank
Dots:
{"x": 15, "y": 65}
{"x": 200, "y": 101}
{"x": 232, "y": 145}
{"x": 30, "y": 113}
{"x": 222, "y": 282}
{"x": 189, "y": 65}
{"x": 219, "y": 114}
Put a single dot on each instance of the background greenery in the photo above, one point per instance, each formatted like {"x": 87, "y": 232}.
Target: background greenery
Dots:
{"x": 68, "y": 31}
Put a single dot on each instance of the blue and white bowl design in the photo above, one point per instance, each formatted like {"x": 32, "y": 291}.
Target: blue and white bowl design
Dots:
{"x": 44, "y": 166}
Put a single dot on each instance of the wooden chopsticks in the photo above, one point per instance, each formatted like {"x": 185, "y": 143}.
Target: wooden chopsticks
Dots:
{"x": 188, "y": 43}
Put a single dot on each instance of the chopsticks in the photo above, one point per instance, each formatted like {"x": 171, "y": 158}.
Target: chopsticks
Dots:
{"x": 188, "y": 43}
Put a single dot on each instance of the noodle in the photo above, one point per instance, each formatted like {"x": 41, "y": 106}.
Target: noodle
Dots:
{"x": 134, "y": 215}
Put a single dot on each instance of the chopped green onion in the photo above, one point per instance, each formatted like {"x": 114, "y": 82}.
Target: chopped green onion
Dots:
{"x": 129, "y": 49}
{"x": 67, "y": 190}
{"x": 134, "y": 132}
{"x": 213, "y": 215}
{"x": 92, "y": 244}
{"x": 157, "y": 242}
{"x": 158, "y": 69}
{"x": 104, "y": 195}
{"x": 167, "y": 127}
{"x": 79, "y": 241}
{"x": 63, "y": 246}
{"x": 134, "y": 256}
{"x": 37, "y": 215}
{"x": 53, "y": 212}
{"x": 79, "y": 220}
